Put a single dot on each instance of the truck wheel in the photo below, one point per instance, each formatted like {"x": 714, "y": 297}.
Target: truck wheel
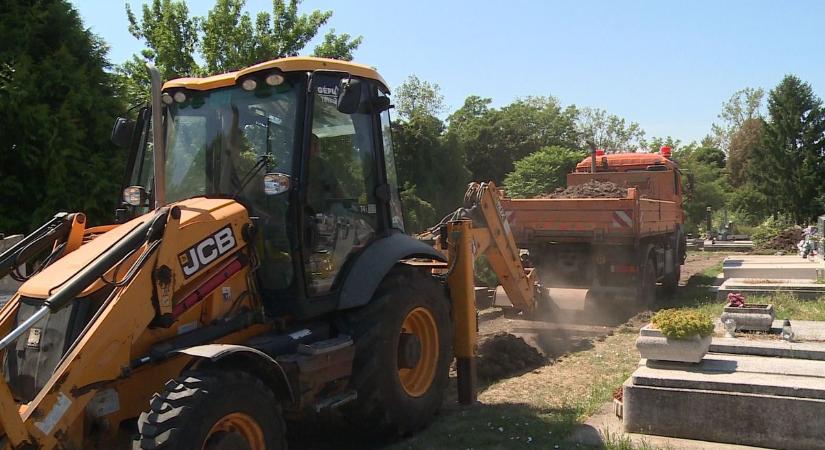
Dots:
{"x": 671, "y": 281}
{"x": 213, "y": 410}
{"x": 647, "y": 287}
{"x": 403, "y": 350}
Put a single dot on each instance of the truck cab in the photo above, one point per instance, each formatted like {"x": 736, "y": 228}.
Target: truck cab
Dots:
{"x": 653, "y": 175}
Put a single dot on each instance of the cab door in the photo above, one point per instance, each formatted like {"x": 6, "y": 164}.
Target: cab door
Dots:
{"x": 341, "y": 174}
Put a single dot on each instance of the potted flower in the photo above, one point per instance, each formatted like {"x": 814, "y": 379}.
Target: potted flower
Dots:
{"x": 748, "y": 316}
{"x": 618, "y": 399}
{"x": 676, "y": 335}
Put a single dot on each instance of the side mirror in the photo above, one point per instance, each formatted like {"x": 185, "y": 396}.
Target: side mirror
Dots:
{"x": 135, "y": 196}
{"x": 122, "y": 132}
{"x": 349, "y": 95}
{"x": 381, "y": 104}
{"x": 276, "y": 183}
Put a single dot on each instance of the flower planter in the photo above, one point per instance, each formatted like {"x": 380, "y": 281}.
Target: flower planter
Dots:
{"x": 618, "y": 408}
{"x": 654, "y": 346}
{"x": 750, "y": 317}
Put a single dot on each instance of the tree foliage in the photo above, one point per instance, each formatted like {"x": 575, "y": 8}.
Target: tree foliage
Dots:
{"x": 231, "y": 41}
{"x": 419, "y": 214}
{"x": 57, "y": 103}
{"x": 493, "y": 139}
{"x": 337, "y": 46}
{"x": 608, "y": 131}
{"x": 170, "y": 35}
{"x": 743, "y": 105}
{"x": 787, "y": 166}
{"x": 743, "y": 141}
{"x": 655, "y": 144}
{"x": 227, "y": 39}
{"x": 430, "y": 165}
{"x": 706, "y": 181}
{"x": 542, "y": 172}
{"x": 415, "y": 97}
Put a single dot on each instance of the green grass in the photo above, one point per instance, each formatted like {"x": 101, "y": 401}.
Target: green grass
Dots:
{"x": 697, "y": 296}
{"x": 619, "y": 441}
{"x": 786, "y": 306}
{"x": 540, "y": 408}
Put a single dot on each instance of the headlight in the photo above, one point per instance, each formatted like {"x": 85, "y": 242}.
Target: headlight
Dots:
{"x": 249, "y": 84}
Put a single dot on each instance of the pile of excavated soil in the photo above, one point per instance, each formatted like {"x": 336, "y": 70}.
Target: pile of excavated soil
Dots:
{"x": 786, "y": 240}
{"x": 503, "y": 355}
{"x": 591, "y": 189}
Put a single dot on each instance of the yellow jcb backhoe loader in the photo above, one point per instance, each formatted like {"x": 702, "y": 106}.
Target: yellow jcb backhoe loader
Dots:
{"x": 259, "y": 271}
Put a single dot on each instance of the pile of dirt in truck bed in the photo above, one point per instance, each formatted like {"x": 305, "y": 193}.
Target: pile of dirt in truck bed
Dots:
{"x": 591, "y": 189}
{"x": 786, "y": 240}
{"x": 503, "y": 355}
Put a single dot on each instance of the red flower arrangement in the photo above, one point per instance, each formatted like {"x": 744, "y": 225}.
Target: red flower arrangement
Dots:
{"x": 736, "y": 299}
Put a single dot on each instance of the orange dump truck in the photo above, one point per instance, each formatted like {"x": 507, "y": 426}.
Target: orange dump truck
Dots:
{"x": 612, "y": 246}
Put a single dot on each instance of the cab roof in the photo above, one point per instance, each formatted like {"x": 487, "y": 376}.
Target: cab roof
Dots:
{"x": 625, "y": 161}
{"x": 291, "y": 64}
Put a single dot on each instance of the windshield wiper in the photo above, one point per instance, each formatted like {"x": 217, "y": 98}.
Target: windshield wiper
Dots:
{"x": 262, "y": 161}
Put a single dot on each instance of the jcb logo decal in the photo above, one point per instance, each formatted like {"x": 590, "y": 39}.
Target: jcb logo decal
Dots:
{"x": 204, "y": 252}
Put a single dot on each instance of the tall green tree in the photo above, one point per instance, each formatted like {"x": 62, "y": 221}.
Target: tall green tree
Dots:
{"x": 542, "y": 172}
{"x": 57, "y": 104}
{"x": 741, "y": 149}
{"x": 789, "y": 167}
{"x": 228, "y": 36}
{"x": 231, "y": 41}
{"x": 226, "y": 39}
{"x": 493, "y": 139}
{"x": 430, "y": 164}
{"x": 608, "y": 131}
{"x": 705, "y": 180}
{"x": 171, "y": 38}
{"x": 742, "y": 106}
{"x": 337, "y": 46}
{"x": 416, "y": 97}
{"x": 170, "y": 35}
{"x": 655, "y": 144}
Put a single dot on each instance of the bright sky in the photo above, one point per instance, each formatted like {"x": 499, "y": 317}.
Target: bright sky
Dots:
{"x": 668, "y": 65}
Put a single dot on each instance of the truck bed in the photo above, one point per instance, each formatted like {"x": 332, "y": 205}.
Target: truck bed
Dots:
{"x": 608, "y": 220}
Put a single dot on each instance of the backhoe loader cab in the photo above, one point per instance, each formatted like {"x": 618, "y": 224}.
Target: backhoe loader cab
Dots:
{"x": 307, "y": 152}
{"x": 261, "y": 272}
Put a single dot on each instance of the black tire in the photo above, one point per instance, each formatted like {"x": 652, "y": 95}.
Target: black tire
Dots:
{"x": 383, "y": 406}
{"x": 671, "y": 281}
{"x": 183, "y": 415}
{"x": 647, "y": 285}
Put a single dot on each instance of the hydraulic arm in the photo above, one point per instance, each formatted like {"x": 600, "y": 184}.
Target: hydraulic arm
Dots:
{"x": 480, "y": 228}
{"x": 63, "y": 234}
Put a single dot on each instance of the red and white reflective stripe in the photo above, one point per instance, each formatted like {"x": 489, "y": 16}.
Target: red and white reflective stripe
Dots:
{"x": 623, "y": 269}
{"x": 622, "y": 219}
{"x": 207, "y": 287}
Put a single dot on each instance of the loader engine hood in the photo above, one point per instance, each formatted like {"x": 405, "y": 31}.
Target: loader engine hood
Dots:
{"x": 195, "y": 210}
{"x": 36, "y": 354}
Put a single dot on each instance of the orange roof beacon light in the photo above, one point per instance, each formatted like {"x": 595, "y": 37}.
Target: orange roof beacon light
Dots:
{"x": 666, "y": 151}
{"x": 599, "y": 152}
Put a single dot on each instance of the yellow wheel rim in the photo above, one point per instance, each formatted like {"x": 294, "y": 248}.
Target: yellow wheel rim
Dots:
{"x": 417, "y": 380}
{"x": 238, "y": 424}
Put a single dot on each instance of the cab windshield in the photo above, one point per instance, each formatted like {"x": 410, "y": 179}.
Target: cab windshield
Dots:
{"x": 222, "y": 142}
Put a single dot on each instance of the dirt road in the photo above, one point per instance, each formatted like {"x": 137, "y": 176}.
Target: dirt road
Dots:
{"x": 571, "y": 326}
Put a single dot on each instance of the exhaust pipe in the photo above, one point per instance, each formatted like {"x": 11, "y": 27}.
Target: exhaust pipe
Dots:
{"x": 592, "y": 146}
{"x": 158, "y": 143}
